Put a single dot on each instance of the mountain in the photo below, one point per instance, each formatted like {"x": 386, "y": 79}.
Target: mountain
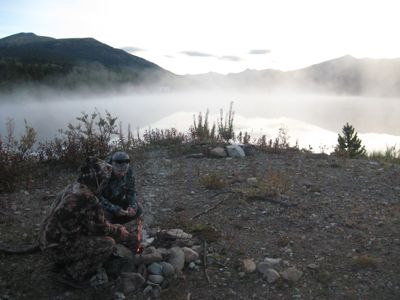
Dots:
{"x": 27, "y": 58}
{"x": 343, "y": 75}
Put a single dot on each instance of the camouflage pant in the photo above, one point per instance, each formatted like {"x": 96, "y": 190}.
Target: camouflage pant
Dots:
{"x": 82, "y": 259}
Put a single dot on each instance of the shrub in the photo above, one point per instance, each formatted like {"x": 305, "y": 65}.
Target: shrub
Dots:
{"x": 225, "y": 127}
{"x": 349, "y": 144}
{"x": 200, "y": 131}
{"x": 213, "y": 181}
{"x": 16, "y": 156}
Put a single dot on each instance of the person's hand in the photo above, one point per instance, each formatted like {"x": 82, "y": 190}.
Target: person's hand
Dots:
{"x": 124, "y": 233}
{"x": 131, "y": 212}
{"x": 122, "y": 212}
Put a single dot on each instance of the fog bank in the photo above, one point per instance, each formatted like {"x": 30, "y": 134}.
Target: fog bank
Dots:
{"x": 310, "y": 118}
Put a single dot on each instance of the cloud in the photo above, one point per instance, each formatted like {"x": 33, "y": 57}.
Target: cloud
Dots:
{"x": 132, "y": 49}
{"x": 197, "y": 54}
{"x": 230, "y": 58}
{"x": 259, "y": 51}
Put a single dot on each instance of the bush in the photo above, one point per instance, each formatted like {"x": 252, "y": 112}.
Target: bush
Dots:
{"x": 213, "y": 181}
{"x": 16, "y": 156}
{"x": 225, "y": 127}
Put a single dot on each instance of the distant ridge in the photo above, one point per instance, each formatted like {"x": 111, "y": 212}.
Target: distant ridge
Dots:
{"x": 29, "y": 58}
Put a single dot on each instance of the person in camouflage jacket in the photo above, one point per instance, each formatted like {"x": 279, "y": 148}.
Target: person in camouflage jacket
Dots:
{"x": 76, "y": 234}
{"x": 119, "y": 196}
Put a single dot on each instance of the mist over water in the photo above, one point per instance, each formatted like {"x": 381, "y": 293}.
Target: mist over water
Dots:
{"x": 310, "y": 119}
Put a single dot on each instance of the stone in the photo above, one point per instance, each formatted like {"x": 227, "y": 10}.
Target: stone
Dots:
{"x": 99, "y": 279}
{"x": 131, "y": 281}
{"x": 241, "y": 274}
{"x": 291, "y": 274}
{"x": 218, "y": 152}
{"x": 235, "y": 151}
{"x": 119, "y": 296}
{"x": 156, "y": 292}
{"x": 147, "y": 290}
{"x": 190, "y": 254}
{"x": 167, "y": 269}
{"x": 252, "y": 180}
{"x": 157, "y": 279}
{"x": 198, "y": 249}
{"x": 192, "y": 266}
{"x": 272, "y": 261}
{"x": 155, "y": 268}
{"x": 176, "y": 258}
{"x": 149, "y": 255}
{"x": 263, "y": 267}
{"x": 312, "y": 266}
{"x": 271, "y": 275}
{"x": 123, "y": 251}
{"x": 178, "y": 234}
{"x": 248, "y": 265}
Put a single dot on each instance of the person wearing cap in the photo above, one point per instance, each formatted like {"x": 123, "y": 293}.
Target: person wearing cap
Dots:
{"x": 119, "y": 196}
{"x": 75, "y": 235}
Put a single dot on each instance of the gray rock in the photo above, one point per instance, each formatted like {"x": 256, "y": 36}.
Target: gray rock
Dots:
{"x": 272, "y": 261}
{"x": 147, "y": 290}
{"x": 119, "y": 296}
{"x": 291, "y": 274}
{"x": 190, "y": 254}
{"x": 99, "y": 279}
{"x": 263, "y": 267}
{"x": 312, "y": 266}
{"x": 241, "y": 274}
{"x": 155, "y": 268}
{"x": 131, "y": 281}
{"x": 192, "y": 266}
{"x": 157, "y": 279}
{"x": 198, "y": 248}
{"x": 251, "y": 180}
{"x": 235, "y": 151}
{"x": 167, "y": 269}
{"x": 178, "y": 234}
{"x": 176, "y": 258}
{"x": 218, "y": 152}
{"x": 248, "y": 265}
{"x": 149, "y": 256}
{"x": 123, "y": 251}
{"x": 271, "y": 275}
{"x": 156, "y": 292}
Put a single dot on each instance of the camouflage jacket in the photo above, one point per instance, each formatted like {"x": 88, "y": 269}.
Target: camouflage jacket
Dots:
{"x": 75, "y": 212}
{"x": 119, "y": 193}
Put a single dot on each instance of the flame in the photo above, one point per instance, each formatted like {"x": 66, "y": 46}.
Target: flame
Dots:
{"x": 139, "y": 247}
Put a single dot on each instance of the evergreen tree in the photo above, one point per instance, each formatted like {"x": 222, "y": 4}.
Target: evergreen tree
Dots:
{"x": 349, "y": 142}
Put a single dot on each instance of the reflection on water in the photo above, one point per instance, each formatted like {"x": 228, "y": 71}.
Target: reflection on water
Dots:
{"x": 310, "y": 119}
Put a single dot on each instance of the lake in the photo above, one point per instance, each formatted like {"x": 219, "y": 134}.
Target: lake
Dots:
{"x": 310, "y": 119}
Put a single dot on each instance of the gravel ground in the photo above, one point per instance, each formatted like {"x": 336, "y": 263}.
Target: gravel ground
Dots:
{"x": 335, "y": 220}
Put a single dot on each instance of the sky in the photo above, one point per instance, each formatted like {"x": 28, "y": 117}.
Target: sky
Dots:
{"x": 223, "y": 36}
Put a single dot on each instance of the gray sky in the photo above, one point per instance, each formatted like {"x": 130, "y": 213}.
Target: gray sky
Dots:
{"x": 189, "y": 36}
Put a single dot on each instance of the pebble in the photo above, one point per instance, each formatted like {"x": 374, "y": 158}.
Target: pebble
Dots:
{"x": 190, "y": 254}
{"x": 272, "y": 275}
{"x": 291, "y": 274}
{"x": 155, "y": 268}
{"x": 157, "y": 279}
{"x": 167, "y": 269}
{"x": 312, "y": 266}
{"x": 177, "y": 258}
{"x": 131, "y": 281}
{"x": 241, "y": 274}
{"x": 248, "y": 265}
